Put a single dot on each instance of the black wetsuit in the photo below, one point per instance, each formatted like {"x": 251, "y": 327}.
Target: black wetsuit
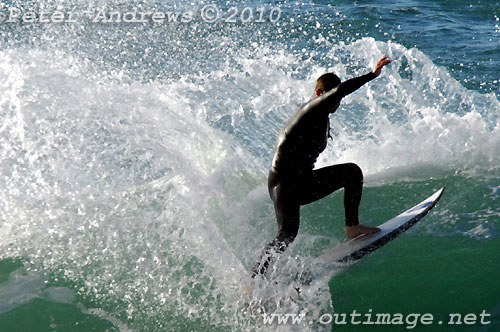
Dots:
{"x": 293, "y": 181}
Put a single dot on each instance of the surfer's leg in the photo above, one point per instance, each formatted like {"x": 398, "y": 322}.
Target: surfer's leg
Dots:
{"x": 326, "y": 180}
{"x": 276, "y": 246}
{"x": 287, "y": 210}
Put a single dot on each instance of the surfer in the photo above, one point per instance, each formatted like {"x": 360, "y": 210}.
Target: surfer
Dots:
{"x": 293, "y": 181}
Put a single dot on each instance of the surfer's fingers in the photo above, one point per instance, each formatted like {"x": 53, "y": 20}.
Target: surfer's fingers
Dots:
{"x": 382, "y": 60}
{"x": 385, "y": 61}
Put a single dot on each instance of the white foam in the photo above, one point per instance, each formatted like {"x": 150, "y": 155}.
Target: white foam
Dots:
{"x": 414, "y": 113}
{"x": 152, "y": 196}
{"x": 123, "y": 189}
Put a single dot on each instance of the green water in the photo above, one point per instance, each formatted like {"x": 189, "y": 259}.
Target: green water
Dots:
{"x": 46, "y": 315}
{"x": 438, "y": 267}
{"x": 424, "y": 274}
{"x": 42, "y": 315}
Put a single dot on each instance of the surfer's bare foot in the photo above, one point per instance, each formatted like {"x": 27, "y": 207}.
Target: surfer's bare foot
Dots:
{"x": 357, "y": 230}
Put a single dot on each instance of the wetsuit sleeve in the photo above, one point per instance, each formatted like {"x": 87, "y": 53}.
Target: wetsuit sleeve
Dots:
{"x": 319, "y": 107}
{"x": 332, "y": 97}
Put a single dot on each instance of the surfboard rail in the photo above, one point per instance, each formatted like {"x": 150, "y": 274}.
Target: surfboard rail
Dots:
{"x": 362, "y": 245}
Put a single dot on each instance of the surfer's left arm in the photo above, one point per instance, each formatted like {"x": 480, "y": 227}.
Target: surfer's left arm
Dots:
{"x": 331, "y": 98}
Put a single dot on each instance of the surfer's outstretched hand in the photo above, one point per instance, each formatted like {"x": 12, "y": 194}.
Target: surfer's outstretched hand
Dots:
{"x": 383, "y": 62}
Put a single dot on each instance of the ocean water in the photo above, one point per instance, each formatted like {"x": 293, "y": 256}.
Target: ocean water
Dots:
{"x": 134, "y": 156}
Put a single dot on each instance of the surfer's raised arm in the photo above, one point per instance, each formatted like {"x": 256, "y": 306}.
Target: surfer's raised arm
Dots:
{"x": 329, "y": 100}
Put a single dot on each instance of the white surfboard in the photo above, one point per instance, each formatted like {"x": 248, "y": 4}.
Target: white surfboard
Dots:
{"x": 364, "y": 244}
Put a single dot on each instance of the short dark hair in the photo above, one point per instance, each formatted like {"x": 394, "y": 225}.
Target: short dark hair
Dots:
{"x": 326, "y": 82}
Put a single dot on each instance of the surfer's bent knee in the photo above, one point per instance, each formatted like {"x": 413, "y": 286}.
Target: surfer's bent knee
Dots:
{"x": 356, "y": 172}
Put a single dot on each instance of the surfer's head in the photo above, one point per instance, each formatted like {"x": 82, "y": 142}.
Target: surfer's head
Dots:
{"x": 325, "y": 83}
